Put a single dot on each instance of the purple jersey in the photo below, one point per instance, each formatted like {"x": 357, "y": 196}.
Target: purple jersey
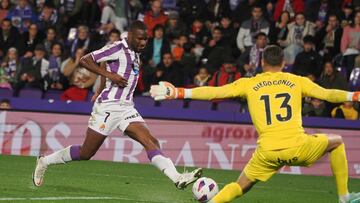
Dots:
{"x": 123, "y": 61}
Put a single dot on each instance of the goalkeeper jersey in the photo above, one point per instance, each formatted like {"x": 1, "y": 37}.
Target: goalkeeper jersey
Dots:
{"x": 275, "y": 103}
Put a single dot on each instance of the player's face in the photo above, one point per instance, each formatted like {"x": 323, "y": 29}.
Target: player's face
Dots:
{"x": 203, "y": 73}
{"x": 357, "y": 19}
{"x": 159, "y": 33}
{"x": 5, "y": 4}
{"x": 167, "y": 60}
{"x": 300, "y": 20}
{"x": 6, "y": 25}
{"x": 12, "y": 54}
{"x": 114, "y": 37}
{"x": 182, "y": 40}
{"x": 56, "y": 50}
{"x": 285, "y": 17}
{"x": 4, "y": 105}
{"x": 308, "y": 47}
{"x": 82, "y": 34}
{"x": 316, "y": 103}
{"x": 217, "y": 35}
{"x": 138, "y": 40}
{"x": 33, "y": 30}
{"x": 333, "y": 22}
{"x": 22, "y": 3}
{"x": 328, "y": 69}
{"x": 39, "y": 54}
{"x": 225, "y": 22}
{"x": 261, "y": 41}
{"x": 257, "y": 13}
{"x": 156, "y": 7}
{"x": 50, "y": 34}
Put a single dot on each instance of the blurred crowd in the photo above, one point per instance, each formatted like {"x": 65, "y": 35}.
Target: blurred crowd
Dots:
{"x": 191, "y": 43}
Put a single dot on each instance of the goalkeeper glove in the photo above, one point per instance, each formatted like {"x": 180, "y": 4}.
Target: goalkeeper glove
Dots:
{"x": 166, "y": 90}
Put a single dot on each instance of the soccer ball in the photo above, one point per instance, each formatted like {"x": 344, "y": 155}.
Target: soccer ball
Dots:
{"x": 204, "y": 189}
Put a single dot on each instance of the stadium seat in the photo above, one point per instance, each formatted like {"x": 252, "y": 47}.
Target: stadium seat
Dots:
{"x": 200, "y": 105}
{"x": 31, "y": 93}
{"x": 172, "y": 104}
{"x": 144, "y": 101}
{"x": 228, "y": 106}
{"x": 288, "y": 68}
{"x": 354, "y": 81}
{"x": 342, "y": 71}
{"x": 53, "y": 94}
{"x": 89, "y": 95}
{"x": 5, "y": 93}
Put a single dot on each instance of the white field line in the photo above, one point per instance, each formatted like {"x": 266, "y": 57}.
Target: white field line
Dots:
{"x": 74, "y": 198}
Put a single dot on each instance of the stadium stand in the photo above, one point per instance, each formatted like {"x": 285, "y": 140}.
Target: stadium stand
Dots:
{"x": 194, "y": 35}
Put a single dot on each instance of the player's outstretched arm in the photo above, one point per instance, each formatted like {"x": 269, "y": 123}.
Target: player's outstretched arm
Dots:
{"x": 165, "y": 90}
{"x": 311, "y": 89}
{"x": 88, "y": 62}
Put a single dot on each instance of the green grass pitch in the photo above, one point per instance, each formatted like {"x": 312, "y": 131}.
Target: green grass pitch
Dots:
{"x": 100, "y": 181}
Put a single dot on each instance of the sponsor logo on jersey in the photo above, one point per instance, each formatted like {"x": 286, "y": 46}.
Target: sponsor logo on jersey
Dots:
{"x": 287, "y": 162}
{"x": 132, "y": 116}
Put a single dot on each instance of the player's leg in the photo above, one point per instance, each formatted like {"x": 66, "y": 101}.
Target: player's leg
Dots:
{"x": 257, "y": 169}
{"x": 92, "y": 143}
{"x": 100, "y": 125}
{"x": 339, "y": 166}
{"x": 139, "y": 132}
{"x": 315, "y": 147}
{"x": 234, "y": 190}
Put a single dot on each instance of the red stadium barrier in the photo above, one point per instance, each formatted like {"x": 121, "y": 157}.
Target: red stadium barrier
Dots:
{"x": 211, "y": 145}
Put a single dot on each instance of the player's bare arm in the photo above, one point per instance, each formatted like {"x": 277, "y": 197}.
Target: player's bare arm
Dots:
{"x": 88, "y": 62}
{"x": 101, "y": 85}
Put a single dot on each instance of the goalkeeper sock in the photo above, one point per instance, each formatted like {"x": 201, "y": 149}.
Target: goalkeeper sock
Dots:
{"x": 164, "y": 164}
{"x": 228, "y": 193}
{"x": 62, "y": 156}
{"x": 339, "y": 167}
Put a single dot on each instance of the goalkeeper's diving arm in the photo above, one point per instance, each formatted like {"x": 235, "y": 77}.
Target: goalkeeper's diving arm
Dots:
{"x": 166, "y": 90}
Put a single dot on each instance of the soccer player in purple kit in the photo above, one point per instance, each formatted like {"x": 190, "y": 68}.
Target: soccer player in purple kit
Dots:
{"x": 114, "y": 108}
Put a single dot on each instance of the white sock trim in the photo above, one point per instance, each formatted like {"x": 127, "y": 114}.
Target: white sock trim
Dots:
{"x": 187, "y": 94}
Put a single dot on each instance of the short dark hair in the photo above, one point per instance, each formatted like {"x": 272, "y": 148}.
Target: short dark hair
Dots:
{"x": 287, "y": 13}
{"x": 260, "y": 34}
{"x": 308, "y": 39}
{"x": 257, "y": 5}
{"x": 273, "y": 55}
{"x": 57, "y": 43}
{"x": 115, "y": 31}
{"x": 6, "y": 20}
{"x": 5, "y": 101}
{"x": 158, "y": 27}
{"x": 333, "y": 15}
{"x": 187, "y": 47}
{"x": 137, "y": 25}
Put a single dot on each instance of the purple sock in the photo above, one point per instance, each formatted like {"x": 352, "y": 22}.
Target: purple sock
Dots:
{"x": 152, "y": 153}
{"x": 75, "y": 152}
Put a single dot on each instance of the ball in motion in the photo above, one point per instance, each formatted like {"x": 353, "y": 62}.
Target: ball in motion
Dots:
{"x": 204, "y": 189}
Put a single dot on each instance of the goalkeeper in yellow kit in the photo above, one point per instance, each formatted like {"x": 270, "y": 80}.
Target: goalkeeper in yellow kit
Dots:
{"x": 275, "y": 102}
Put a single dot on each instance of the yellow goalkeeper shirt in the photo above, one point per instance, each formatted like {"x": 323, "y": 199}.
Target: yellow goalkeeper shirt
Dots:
{"x": 275, "y": 102}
